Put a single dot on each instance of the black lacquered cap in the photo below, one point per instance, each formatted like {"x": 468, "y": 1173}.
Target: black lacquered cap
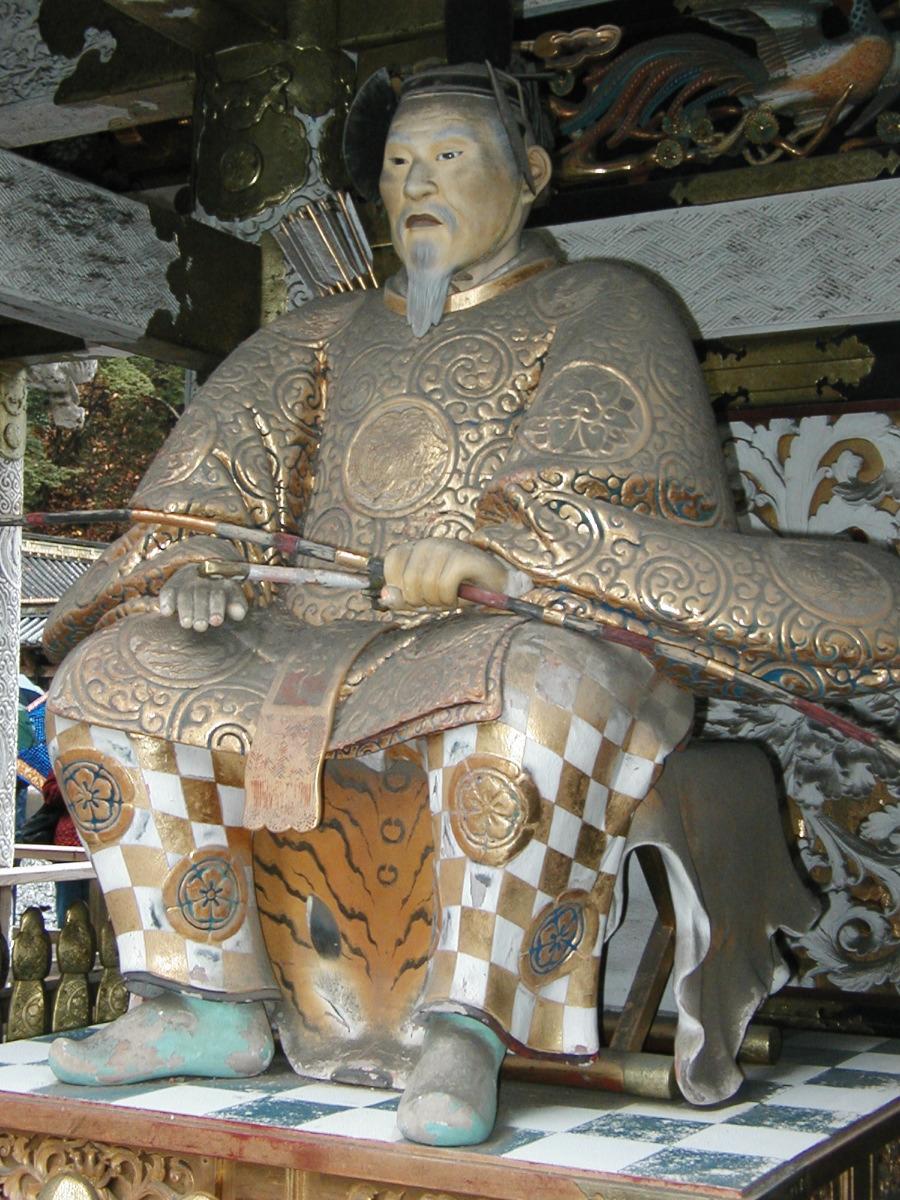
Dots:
{"x": 372, "y": 111}
{"x": 479, "y": 42}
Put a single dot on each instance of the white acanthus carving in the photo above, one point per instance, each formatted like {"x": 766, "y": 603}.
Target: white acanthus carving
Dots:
{"x": 61, "y": 381}
{"x": 821, "y": 475}
{"x": 831, "y": 477}
{"x": 27, "y": 65}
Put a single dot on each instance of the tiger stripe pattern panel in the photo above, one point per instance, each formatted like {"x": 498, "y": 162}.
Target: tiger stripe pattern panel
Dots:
{"x": 162, "y": 824}
{"x": 346, "y": 911}
{"x": 531, "y": 815}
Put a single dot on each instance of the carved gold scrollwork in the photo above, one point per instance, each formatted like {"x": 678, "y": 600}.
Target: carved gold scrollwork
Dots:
{"x": 887, "y": 1171}
{"x": 48, "y": 1168}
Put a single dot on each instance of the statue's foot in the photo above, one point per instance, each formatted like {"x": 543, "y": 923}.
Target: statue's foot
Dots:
{"x": 451, "y": 1097}
{"x": 172, "y": 1034}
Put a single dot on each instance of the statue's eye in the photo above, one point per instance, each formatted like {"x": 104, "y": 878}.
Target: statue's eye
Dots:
{"x": 447, "y": 154}
{"x": 396, "y": 160}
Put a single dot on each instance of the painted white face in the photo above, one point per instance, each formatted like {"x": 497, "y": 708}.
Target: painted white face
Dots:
{"x": 449, "y": 183}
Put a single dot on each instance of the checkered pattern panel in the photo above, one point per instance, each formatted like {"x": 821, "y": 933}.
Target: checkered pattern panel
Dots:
{"x": 591, "y": 728}
{"x": 187, "y": 808}
{"x": 825, "y": 1089}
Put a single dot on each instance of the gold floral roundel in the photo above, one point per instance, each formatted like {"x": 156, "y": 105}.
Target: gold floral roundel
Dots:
{"x": 598, "y": 414}
{"x": 99, "y": 793}
{"x": 560, "y": 939}
{"x": 494, "y": 808}
{"x": 401, "y": 457}
{"x": 205, "y": 894}
{"x": 834, "y": 585}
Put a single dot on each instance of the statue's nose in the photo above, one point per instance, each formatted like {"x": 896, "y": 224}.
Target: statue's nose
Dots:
{"x": 418, "y": 181}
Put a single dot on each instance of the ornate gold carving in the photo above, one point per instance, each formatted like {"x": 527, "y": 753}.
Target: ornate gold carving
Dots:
{"x": 205, "y": 894}
{"x": 786, "y": 370}
{"x": 99, "y": 794}
{"x": 494, "y": 808}
{"x": 887, "y": 1171}
{"x": 779, "y": 178}
{"x": 112, "y": 995}
{"x": 74, "y": 1169}
{"x": 253, "y": 148}
{"x": 374, "y": 1191}
{"x": 68, "y": 1186}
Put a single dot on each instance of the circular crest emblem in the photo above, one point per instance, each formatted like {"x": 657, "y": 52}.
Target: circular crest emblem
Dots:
{"x": 205, "y": 895}
{"x": 401, "y": 457}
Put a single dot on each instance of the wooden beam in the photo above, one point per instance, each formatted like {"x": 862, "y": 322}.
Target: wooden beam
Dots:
{"x": 771, "y": 264}
{"x": 103, "y": 268}
{"x": 53, "y": 873}
{"x": 201, "y": 26}
{"x": 67, "y": 73}
{"x": 31, "y": 344}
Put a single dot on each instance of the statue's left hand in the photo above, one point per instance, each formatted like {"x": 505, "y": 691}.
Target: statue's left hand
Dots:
{"x": 200, "y": 602}
{"x": 427, "y": 573}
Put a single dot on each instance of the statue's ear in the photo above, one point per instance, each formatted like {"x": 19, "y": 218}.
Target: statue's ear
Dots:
{"x": 540, "y": 167}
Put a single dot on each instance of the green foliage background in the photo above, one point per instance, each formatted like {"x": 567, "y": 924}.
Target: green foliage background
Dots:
{"x": 130, "y": 406}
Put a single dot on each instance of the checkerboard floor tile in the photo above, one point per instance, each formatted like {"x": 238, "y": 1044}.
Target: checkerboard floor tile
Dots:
{"x": 823, "y": 1085}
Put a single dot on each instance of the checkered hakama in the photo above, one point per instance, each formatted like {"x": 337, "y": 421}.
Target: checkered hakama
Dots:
{"x": 531, "y": 813}
{"x": 163, "y": 826}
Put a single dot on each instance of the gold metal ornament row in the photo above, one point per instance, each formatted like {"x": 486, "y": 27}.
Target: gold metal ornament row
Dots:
{"x": 32, "y": 1012}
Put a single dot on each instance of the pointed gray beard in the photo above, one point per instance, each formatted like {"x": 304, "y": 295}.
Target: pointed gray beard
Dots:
{"x": 426, "y": 291}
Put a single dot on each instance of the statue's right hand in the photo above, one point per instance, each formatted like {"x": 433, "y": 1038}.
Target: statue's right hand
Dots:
{"x": 201, "y": 601}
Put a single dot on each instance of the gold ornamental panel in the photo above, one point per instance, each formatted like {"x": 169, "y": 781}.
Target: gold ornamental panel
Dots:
{"x": 54, "y": 1168}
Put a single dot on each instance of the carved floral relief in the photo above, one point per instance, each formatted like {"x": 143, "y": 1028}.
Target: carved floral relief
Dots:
{"x": 831, "y": 477}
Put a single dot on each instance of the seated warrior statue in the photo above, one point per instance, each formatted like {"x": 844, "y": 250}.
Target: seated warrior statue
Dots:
{"x": 491, "y": 416}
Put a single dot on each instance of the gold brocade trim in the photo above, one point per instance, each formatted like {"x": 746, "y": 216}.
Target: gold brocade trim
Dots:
{"x": 469, "y": 298}
{"x": 32, "y": 774}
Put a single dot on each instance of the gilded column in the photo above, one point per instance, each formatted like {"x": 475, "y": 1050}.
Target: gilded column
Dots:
{"x": 12, "y": 449}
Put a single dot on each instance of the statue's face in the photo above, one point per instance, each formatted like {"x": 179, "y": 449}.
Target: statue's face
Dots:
{"x": 449, "y": 183}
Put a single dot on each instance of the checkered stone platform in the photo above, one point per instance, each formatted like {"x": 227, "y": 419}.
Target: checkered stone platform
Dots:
{"x": 824, "y": 1085}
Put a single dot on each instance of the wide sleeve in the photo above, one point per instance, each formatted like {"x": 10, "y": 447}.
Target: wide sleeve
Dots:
{"x": 613, "y": 501}
{"x": 621, "y": 414}
{"x": 244, "y": 451}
